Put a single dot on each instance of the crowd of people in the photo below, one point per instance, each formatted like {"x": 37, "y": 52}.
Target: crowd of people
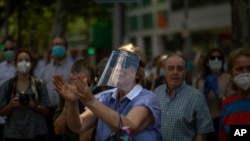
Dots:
{"x": 69, "y": 99}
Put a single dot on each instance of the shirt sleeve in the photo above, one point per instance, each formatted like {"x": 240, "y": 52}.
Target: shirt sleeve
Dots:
{"x": 3, "y": 94}
{"x": 150, "y": 101}
{"x": 203, "y": 119}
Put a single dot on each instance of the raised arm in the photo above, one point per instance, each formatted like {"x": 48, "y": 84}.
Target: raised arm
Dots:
{"x": 137, "y": 119}
{"x": 76, "y": 122}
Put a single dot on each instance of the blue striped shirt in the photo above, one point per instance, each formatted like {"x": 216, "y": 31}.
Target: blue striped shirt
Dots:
{"x": 185, "y": 115}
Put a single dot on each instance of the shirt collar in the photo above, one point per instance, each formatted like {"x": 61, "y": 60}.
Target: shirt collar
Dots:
{"x": 177, "y": 90}
{"x": 132, "y": 94}
{"x": 61, "y": 63}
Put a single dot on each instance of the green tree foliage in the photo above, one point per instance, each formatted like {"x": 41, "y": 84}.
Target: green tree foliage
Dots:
{"x": 32, "y": 23}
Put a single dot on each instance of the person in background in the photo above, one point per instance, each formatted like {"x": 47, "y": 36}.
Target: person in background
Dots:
{"x": 99, "y": 69}
{"x": 215, "y": 84}
{"x": 24, "y": 100}
{"x": 83, "y": 67}
{"x": 73, "y": 54}
{"x": 185, "y": 114}
{"x": 58, "y": 65}
{"x": 40, "y": 66}
{"x": 236, "y": 107}
{"x": 130, "y": 106}
{"x": 159, "y": 77}
{"x": 8, "y": 69}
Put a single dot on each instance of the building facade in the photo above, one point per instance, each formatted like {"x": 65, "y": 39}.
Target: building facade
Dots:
{"x": 163, "y": 26}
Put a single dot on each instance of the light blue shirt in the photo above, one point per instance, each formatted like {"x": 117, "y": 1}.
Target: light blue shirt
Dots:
{"x": 7, "y": 71}
{"x": 185, "y": 115}
{"x": 136, "y": 97}
{"x": 51, "y": 69}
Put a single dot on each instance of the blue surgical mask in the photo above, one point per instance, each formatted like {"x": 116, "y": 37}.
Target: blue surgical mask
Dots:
{"x": 9, "y": 55}
{"x": 162, "y": 72}
{"x": 58, "y": 51}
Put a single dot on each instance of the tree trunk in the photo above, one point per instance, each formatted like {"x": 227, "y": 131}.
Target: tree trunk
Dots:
{"x": 60, "y": 23}
{"x": 5, "y": 29}
{"x": 240, "y": 23}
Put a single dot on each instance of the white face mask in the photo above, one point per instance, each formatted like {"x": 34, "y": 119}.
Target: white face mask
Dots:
{"x": 23, "y": 67}
{"x": 242, "y": 81}
{"x": 215, "y": 65}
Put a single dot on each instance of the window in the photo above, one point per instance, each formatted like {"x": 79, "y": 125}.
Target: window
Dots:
{"x": 132, "y": 5}
{"x": 147, "y": 47}
{"x": 146, "y": 2}
{"x": 132, "y": 23}
{"x": 147, "y": 21}
{"x": 162, "y": 20}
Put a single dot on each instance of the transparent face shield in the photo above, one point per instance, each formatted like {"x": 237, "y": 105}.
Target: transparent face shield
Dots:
{"x": 120, "y": 70}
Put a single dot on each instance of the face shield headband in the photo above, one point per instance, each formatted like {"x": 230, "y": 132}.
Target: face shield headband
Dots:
{"x": 120, "y": 70}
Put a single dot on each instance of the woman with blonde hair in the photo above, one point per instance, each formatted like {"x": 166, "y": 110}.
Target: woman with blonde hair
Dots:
{"x": 129, "y": 110}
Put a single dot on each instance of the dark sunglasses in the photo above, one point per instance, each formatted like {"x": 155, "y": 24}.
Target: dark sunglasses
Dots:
{"x": 6, "y": 49}
{"x": 218, "y": 57}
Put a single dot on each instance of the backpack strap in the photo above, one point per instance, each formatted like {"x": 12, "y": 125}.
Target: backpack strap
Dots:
{"x": 11, "y": 88}
{"x": 35, "y": 86}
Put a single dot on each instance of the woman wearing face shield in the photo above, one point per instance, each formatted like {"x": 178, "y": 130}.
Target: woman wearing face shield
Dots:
{"x": 127, "y": 108}
{"x": 24, "y": 100}
{"x": 236, "y": 108}
{"x": 215, "y": 84}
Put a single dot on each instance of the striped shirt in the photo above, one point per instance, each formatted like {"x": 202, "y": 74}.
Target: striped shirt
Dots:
{"x": 185, "y": 115}
{"x": 236, "y": 111}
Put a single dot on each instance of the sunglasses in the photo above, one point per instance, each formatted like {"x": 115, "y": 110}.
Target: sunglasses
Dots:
{"x": 7, "y": 49}
{"x": 218, "y": 57}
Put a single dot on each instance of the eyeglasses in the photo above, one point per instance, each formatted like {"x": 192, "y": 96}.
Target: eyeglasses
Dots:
{"x": 218, "y": 57}
{"x": 7, "y": 49}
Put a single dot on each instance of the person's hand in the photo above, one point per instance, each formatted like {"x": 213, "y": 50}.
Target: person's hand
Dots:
{"x": 211, "y": 82}
{"x": 66, "y": 90}
{"x": 14, "y": 102}
{"x": 84, "y": 93}
{"x": 32, "y": 103}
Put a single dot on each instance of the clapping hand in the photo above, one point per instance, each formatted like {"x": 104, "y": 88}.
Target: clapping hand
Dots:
{"x": 66, "y": 90}
{"x": 83, "y": 91}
